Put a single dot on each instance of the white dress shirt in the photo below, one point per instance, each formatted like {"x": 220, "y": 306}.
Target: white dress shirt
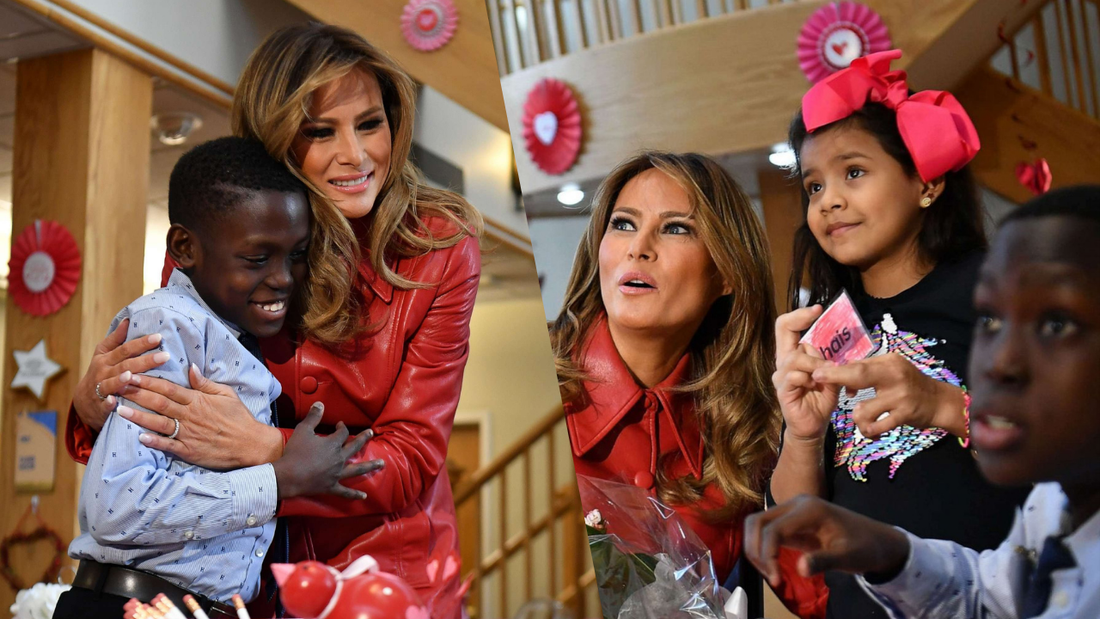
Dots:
{"x": 943, "y": 579}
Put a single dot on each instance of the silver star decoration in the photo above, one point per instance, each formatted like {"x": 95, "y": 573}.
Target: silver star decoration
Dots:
{"x": 35, "y": 368}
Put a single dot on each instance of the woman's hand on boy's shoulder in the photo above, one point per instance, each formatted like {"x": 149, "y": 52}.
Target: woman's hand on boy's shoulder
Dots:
{"x": 212, "y": 420}
{"x": 115, "y": 362}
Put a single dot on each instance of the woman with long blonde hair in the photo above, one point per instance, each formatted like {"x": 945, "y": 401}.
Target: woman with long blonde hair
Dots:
{"x": 664, "y": 349}
{"x": 382, "y": 327}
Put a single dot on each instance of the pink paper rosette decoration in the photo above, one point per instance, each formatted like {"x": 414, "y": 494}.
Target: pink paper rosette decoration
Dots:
{"x": 552, "y": 126}
{"x": 837, "y": 34}
{"x": 429, "y": 24}
{"x": 44, "y": 268}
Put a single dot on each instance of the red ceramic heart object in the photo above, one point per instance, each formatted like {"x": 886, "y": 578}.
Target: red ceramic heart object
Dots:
{"x": 377, "y": 595}
{"x": 307, "y": 589}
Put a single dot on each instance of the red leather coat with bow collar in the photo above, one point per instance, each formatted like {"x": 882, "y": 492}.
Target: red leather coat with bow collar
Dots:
{"x": 405, "y": 384}
{"x": 622, "y": 431}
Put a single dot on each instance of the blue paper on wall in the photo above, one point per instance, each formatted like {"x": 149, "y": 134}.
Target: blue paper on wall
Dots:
{"x": 35, "y": 450}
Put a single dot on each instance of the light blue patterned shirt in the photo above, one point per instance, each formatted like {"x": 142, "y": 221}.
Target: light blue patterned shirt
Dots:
{"x": 206, "y": 531}
{"x": 943, "y": 579}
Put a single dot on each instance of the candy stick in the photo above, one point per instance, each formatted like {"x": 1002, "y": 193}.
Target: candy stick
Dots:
{"x": 136, "y": 611}
{"x": 166, "y": 606}
{"x": 193, "y": 605}
{"x": 238, "y": 603}
{"x": 158, "y": 603}
{"x": 176, "y": 612}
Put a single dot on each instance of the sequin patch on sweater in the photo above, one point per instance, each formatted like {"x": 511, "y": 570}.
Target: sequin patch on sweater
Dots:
{"x": 857, "y": 451}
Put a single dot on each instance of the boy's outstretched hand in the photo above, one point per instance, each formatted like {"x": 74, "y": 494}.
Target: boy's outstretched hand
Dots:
{"x": 831, "y": 538}
{"x": 313, "y": 464}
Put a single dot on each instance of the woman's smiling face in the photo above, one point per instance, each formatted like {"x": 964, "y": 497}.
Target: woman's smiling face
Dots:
{"x": 656, "y": 273}
{"x": 343, "y": 147}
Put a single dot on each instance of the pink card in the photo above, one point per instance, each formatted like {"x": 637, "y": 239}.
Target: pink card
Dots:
{"x": 839, "y": 334}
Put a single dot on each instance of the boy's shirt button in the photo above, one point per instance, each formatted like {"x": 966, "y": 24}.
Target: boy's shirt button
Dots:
{"x": 250, "y": 521}
{"x": 1060, "y": 599}
{"x": 259, "y": 553}
{"x": 188, "y": 534}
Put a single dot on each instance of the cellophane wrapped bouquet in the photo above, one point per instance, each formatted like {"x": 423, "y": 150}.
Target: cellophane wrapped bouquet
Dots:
{"x": 648, "y": 563}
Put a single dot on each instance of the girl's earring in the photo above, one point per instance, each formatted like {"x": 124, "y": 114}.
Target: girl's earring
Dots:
{"x": 926, "y": 202}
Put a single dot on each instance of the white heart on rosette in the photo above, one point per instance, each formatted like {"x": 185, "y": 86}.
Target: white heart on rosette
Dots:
{"x": 546, "y": 127}
{"x": 38, "y": 271}
{"x": 842, "y": 46}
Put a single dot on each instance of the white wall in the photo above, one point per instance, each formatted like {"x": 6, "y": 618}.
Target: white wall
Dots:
{"x": 555, "y": 241}
{"x": 510, "y": 376}
{"x": 482, "y": 151}
{"x": 216, "y": 36}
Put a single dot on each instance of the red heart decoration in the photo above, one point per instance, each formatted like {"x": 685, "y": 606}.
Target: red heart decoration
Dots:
{"x": 426, "y": 20}
{"x": 1035, "y": 176}
{"x": 839, "y": 48}
{"x": 15, "y": 539}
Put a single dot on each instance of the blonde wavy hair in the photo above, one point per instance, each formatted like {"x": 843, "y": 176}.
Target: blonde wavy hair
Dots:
{"x": 732, "y": 352}
{"x": 272, "y": 102}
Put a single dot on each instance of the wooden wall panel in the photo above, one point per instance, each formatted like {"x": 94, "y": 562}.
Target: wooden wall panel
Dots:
{"x": 782, "y": 205}
{"x": 81, "y": 158}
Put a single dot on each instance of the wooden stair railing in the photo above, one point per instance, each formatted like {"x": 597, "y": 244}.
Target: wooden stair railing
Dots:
{"x": 1063, "y": 66}
{"x": 527, "y": 32}
{"x": 1038, "y": 97}
{"x": 566, "y": 549}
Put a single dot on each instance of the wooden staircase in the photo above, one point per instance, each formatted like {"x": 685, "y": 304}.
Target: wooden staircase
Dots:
{"x": 544, "y": 552}
{"x": 1040, "y": 97}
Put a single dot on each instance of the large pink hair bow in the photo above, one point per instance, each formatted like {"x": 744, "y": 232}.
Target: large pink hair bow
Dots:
{"x": 935, "y": 127}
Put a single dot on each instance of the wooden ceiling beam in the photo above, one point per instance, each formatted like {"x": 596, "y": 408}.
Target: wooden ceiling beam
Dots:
{"x": 731, "y": 84}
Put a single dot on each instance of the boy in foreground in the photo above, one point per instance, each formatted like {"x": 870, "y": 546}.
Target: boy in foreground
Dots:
{"x": 1034, "y": 365}
{"x": 151, "y": 523}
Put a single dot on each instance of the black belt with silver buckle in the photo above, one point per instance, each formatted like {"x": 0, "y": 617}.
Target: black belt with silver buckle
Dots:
{"x": 129, "y": 583}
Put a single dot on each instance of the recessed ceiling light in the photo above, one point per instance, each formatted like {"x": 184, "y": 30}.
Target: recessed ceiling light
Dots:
{"x": 782, "y": 156}
{"x": 570, "y": 194}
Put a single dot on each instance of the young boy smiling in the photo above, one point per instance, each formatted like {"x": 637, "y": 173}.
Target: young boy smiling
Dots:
{"x": 151, "y": 523}
{"x": 1033, "y": 369}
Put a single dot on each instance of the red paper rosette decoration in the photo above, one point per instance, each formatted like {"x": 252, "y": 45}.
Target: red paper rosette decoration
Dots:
{"x": 552, "y": 126}
{"x": 837, "y": 34}
{"x": 1035, "y": 176}
{"x": 44, "y": 268}
{"x": 429, "y": 24}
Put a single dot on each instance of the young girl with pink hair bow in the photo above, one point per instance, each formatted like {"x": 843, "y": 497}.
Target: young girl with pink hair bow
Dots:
{"x": 893, "y": 217}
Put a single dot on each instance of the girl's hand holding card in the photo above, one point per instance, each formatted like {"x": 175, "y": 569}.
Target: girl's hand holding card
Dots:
{"x": 806, "y": 404}
{"x": 839, "y": 335}
{"x": 903, "y": 396}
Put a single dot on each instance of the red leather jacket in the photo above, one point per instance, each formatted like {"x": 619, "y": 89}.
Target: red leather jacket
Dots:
{"x": 405, "y": 385}
{"x": 621, "y": 431}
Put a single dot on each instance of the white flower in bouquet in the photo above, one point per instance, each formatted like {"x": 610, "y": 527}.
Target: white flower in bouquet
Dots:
{"x": 594, "y": 519}
{"x": 38, "y": 602}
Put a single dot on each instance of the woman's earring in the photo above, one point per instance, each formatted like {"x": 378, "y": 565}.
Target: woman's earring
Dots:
{"x": 926, "y": 202}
